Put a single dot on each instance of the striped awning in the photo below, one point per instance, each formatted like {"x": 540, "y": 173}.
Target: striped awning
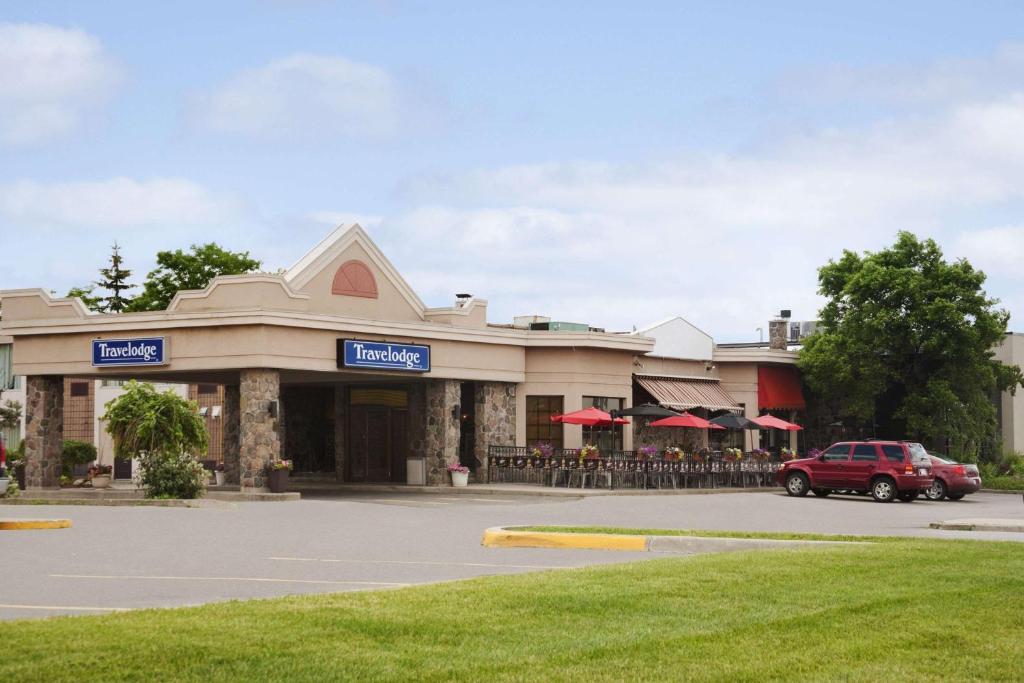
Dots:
{"x": 685, "y": 393}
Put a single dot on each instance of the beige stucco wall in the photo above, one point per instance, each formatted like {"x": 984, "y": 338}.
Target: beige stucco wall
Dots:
{"x": 573, "y": 374}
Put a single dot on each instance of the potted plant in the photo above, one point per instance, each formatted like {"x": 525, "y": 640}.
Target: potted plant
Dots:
{"x": 647, "y": 452}
{"x": 733, "y": 454}
{"x": 219, "y": 475}
{"x": 460, "y": 475}
{"x": 100, "y": 476}
{"x": 277, "y": 475}
{"x": 788, "y": 454}
{"x": 673, "y": 453}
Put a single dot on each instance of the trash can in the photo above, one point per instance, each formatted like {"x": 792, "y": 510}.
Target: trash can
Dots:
{"x": 416, "y": 471}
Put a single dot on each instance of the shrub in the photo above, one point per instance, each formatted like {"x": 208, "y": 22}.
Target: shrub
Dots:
{"x": 75, "y": 453}
{"x": 172, "y": 476}
{"x": 163, "y": 431}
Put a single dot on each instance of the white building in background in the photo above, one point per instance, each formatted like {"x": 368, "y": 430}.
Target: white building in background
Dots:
{"x": 1010, "y": 407}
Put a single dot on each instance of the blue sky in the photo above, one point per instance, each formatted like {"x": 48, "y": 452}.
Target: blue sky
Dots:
{"x": 600, "y": 162}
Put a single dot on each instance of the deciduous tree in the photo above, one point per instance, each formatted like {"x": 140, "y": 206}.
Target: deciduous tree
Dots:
{"x": 906, "y": 343}
{"x": 178, "y": 270}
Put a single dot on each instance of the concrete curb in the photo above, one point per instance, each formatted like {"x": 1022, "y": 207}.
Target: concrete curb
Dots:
{"x": 1012, "y": 525}
{"x": 1012, "y": 492}
{"x": 510, "y": 537}
{"x": 29, "y": 524}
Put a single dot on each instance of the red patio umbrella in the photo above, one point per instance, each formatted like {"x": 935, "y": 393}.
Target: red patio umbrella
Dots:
{"x": 590, "y": 417}
{"x": 772, "y": 422}
{"x": 685, "y": 420}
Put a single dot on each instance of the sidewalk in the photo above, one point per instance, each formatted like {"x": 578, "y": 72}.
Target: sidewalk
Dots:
{"x": 321, "y": 487}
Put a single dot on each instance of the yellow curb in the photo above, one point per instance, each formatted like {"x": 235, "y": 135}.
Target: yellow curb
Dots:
{"x": 23, "y": 524}
{"x": 499, "y": 537}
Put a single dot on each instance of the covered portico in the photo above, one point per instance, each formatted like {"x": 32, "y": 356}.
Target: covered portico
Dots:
{"x": 280, "y": 346}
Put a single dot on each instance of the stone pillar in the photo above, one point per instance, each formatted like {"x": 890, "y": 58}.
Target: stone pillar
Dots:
{"x": 441, "y": 442}
{"x": 44, "y": 431}
{"x": 495, "y": 420}
{"x": 340, "y": 430}
{"x": 232, "y": 419}
{"x": 259, "y": 442}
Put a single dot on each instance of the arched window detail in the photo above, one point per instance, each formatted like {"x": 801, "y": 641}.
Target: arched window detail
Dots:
{"x": 354, "y": 279}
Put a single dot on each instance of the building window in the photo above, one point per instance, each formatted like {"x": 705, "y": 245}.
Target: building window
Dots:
{"x": 604, "y": 438}
{"x": 539, "y": 427}
{"x": 207, "y": 389}
{"x": 79, "y": 389}
{"x": 113, "y": 382}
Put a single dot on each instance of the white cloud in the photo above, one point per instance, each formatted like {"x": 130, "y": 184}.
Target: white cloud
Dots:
{"x": 723, "y": 240}
{"x": 117, "y": 202}
{"x": 303, "y": 96}
{"x": 50, "y": 78}
{"x": 997, "y": 251}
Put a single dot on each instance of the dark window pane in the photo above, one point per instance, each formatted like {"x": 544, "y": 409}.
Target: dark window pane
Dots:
{"x": 207, "y": 389}
{"x": 865, "y": 452}
{"x": 893, "y": 452}
{"x": 838, "y": 452}
{"x": 79, "y": 388}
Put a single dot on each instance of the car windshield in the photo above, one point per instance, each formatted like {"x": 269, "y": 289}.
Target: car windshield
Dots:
{"x": 917, "y": 452}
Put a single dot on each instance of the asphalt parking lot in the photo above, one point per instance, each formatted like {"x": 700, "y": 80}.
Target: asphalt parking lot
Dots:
{"x": 116, "y": 558}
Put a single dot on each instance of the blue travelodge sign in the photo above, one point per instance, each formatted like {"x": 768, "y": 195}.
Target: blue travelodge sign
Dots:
{"x": 118, "y": 352}
{"x": 368, "y": 355}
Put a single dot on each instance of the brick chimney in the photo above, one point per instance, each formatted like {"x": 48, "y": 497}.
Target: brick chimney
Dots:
{"x": 778, "y": 331}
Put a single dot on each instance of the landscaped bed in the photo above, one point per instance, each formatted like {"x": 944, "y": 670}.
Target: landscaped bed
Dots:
{"x": 906, "y": 609}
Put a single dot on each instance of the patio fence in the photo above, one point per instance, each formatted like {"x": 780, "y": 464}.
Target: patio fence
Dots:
{"x": 629, "y": 469}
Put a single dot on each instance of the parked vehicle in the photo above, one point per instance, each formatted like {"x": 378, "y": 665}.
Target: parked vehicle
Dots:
{"x": 953, "y": 480}
{"x": 885, "y": 469}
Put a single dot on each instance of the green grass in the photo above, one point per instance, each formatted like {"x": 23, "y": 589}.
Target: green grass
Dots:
{"x": 923, "y": 610}
{"x": 704, "y": 533}
{"x": 1004, "y": 483}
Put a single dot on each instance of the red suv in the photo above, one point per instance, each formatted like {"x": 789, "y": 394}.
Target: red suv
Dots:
{"x": 886, "y": 469}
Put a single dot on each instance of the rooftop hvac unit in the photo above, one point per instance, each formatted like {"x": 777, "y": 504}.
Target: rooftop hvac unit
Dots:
{"x": 800, "y": 330}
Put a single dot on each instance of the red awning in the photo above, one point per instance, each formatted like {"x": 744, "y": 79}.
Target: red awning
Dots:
{"x": 779, "y": 387}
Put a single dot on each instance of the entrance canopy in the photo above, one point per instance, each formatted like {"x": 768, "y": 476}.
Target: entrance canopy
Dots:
{"x": 686, "y": 393}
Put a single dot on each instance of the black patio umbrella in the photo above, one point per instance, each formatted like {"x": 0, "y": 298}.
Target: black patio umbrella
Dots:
{"x": 644, "y": 410}
{"x": 734, "y": 421}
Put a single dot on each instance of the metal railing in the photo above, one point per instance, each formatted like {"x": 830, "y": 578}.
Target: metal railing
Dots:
{"x": 629, "y": 469}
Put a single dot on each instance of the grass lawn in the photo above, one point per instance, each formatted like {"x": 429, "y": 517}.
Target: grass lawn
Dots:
{"x": 704, "y": 533}
{"x": 906, "y": 610}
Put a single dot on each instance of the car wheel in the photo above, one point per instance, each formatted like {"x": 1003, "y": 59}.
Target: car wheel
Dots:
{"x": 955, "y": 496}
{"x": 821, "y": 493}
{"x": 883, "y": 490}
{"x": 797, "y": 484}
{"x": 937, "y": 491}
{"x": 908, "y": 496}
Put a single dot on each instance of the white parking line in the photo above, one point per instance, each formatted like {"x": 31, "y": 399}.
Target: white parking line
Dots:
{"x": 423, "y": 562}
{"x": 406, "y": 501}
{"x": 65, "y": 608}
{"x": 226, "y": 578}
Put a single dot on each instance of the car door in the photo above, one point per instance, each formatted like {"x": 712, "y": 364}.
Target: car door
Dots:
{"x": 862, "y": 466}
{"x": 829, "y": 468}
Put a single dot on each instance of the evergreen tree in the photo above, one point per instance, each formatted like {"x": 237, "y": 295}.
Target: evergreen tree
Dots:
{"x": 114, "y": 280}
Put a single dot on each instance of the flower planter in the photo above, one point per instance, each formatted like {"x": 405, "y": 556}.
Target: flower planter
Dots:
{"x": 101, "y": 481}
{"x": 277, "y": 480}
{"x": 220, "y": 477}
{"x": 460, "y": 478}
{"x": 4, "y": 480}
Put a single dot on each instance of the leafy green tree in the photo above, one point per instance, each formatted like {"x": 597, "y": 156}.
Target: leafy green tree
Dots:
{"x": 114, "y": 279}
{"x": 905, "y": 345}
{"x": 178, "y": 270}
{"x": 164, "y": 432}
{"x": 86, "y": 295}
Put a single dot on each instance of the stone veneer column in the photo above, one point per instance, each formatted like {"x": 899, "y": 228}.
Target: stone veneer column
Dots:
{"x": 441, "y": 441}
{"x": 259, "y": 440}
{"x": 232, "y": 419}
{"x": 44, "y": 430}
{"x": 340, "y": 430}
{"x": 495, "y": 420}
